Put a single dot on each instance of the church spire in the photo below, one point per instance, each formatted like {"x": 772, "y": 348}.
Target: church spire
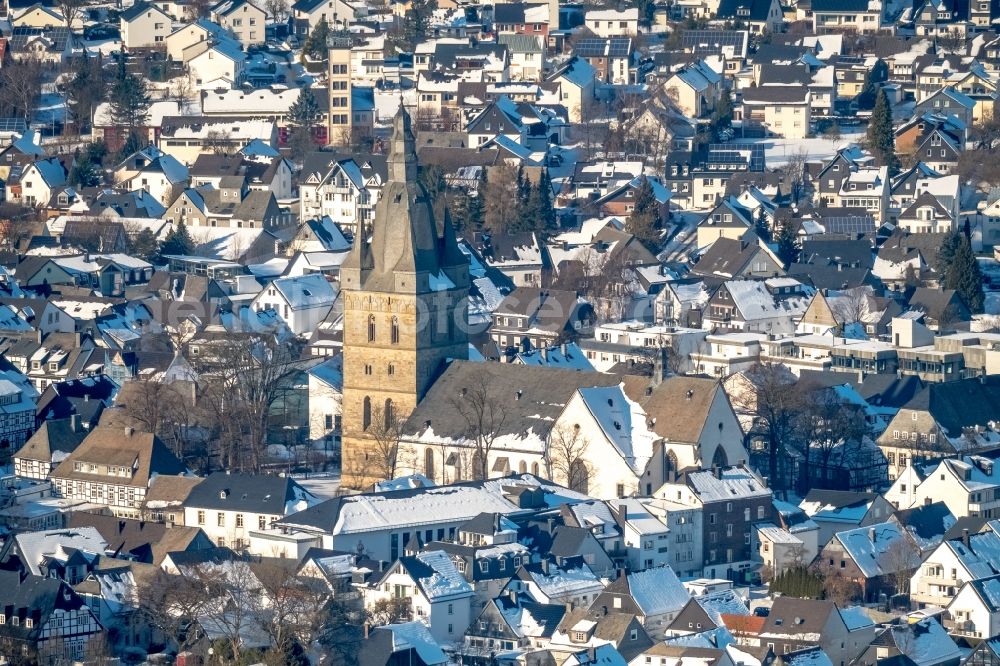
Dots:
{"x": 402, "y": 149}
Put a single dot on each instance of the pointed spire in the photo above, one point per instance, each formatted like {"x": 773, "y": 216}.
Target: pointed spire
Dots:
{"x": 402, "y": 149}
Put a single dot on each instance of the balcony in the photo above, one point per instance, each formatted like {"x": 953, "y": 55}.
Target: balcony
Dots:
{"x": 961, "y": 628}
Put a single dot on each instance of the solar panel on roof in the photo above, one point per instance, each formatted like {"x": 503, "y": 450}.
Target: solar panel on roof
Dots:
{"x": 12, "y": 125}
{"x": 851, "y": 224}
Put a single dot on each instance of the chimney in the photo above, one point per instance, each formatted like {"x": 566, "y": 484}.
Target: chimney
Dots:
{"x": 564, "y": 349}
{"x": 717, "y": 471}
{"x": 367, "y": 629}
{"x": 129, "y": 430}
{"x": 871, "y": 534}
{"x": 545, "y": 565}
{"x": 927, "y": 501}
{"x": 965, "y": 536}
{"x": 74, "y": 423}
{"x": 544, "y": 351}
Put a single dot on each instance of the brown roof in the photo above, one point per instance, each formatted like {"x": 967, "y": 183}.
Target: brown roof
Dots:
{"x": 790, "y": 615}
{"x": 679, "y": 405}
{"x": 135, "y": 536}
{"x": 170, "y": 489}
{"x": 121, "y": 446}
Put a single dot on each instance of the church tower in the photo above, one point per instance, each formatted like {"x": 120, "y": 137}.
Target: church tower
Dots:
{"x": 405, "y": 286}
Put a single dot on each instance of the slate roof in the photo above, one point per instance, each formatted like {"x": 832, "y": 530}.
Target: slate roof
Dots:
{"x": 52, "y": 439}
{"x": 250, "y": 493}
{"x": 729, "y": 9}
{"x": 960, "y": 404}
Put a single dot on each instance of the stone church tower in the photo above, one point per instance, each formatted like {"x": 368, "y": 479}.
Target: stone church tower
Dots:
{"x": 405, "y": 286}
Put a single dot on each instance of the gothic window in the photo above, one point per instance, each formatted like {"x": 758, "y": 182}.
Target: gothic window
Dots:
{"x": 371, "y": 328}
{"x": 366, "y": 417}
{"x": 388, "y": 412}
{"x": 522, "y": 467}
{"x": 429, "y": 463}
{"x": 720, "y": 458}
{"x": 394, "y": 331}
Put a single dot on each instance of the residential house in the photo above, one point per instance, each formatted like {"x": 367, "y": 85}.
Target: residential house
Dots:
{"x": 874, "y": 557}
{"x": 45, "y": 619}
{"x": 243, "y": 19}
{"x": 530, "y": 317}
{"x": 46, "y": 448}
{"x": 610, "y": 57}
{"x": 966, "y": 556}
{"x": 794, "y": 624}
{"x": 39, "y": 181}
{"x": 941, "y": 420}
{"x": 434, "y": 590}
{"x": 144, "y": 25}
{"x": 113, "y": 467}
{"x": 229, "y": 507}
{"x": 654, "y": 596}
{"x": 974, "y": 612}
{"x": 760, "y": 16}
{"x": 863, "y": 17}
{"x": 694, "y": 89}
{"x": 732, "y": 500}
{"x": 785, "y": 111}
{"x": 837, "y": 511}
{"x": 301, "y": 302}
{"x": 612, "y": 23}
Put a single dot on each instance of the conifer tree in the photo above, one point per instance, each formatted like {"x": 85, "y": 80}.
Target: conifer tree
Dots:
{"x": 946, "y": 255}
{"x": 129, "y": 99}
{"x": 303, "y": 115}
{"x": 881, "y": 139}
{"x": 316, "y": 43}
{"x": 788, "y": 242}
{"x": 177, "y": 241}
{"x": 965, "y": 276}
{"x": 643, "y": 222}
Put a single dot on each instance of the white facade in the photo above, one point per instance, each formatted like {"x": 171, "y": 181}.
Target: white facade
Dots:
{"x": 150, "y": 28}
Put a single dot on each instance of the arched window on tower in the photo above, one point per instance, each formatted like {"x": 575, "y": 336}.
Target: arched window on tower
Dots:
{"x": 429, "y": 463}
{"x": 394, "y": 331}
{"x": 371, "y": 328}
{"x": 366, "y": 414}
{"x": 389, "y": 414}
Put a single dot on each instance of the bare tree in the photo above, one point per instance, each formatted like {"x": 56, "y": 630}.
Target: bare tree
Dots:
{"x": 388, "y": 611}
{"x": 485, "y": 415}
{"x": 898, "y": 562}
{"x": 501, "y": 198}
{"x": 794, "y": 171}
{"x": 71, "y": 11}
{"x": 776, "y": 404}
{"x": 241, "y": 378}
{"x": 277, "y": 9}
{"x": 219, "y": 142}
{"x": 384, "y": 451}
{"x": 20, "y": 87}
{"x": 566, "y": 458}
{"x": 164, "y": 409}
{"x": 833, "y": 430}
{"x": 851, "y": 306}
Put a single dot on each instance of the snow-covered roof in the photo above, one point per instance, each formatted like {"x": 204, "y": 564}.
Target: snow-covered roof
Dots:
{"x": 623, "y": 422}
{"x": 657, "y": 591}
{"x": 880, "y": 549}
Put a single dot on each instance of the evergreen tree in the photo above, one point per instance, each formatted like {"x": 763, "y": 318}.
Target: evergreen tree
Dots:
{"x": 866, "y": 98}
{"x": 787, "y": 240}
{"x": 144, "y": 245}
{"x": 316, "y": 45}
{"x": 305, "y": 111}
{"x": 881, "y": 139}
{"x": 946, "y": 255}
{"x": 416, "y": 21}
{"x": 965, "y": 276}
{"x": 303, "y": 115}
{"x": 129, "y": 99}
{"x": 83, "y": 173}
{"x": 722, "y": 116}
{"x": 474, "y": 210}
{"x": 643, "y": 222}
{"x": 545, "y": 208}
{"x": 131, "y": 145}
{"x": 177, "y": 241}
{"x": 760, "y": 227}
